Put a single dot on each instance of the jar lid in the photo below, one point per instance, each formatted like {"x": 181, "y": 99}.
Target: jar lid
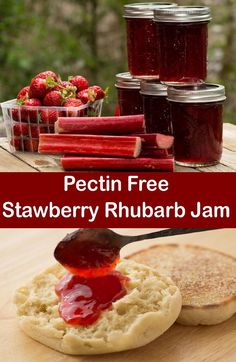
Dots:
{"x": 153, "y": 88}
{"x": 203, "y": 93}
{"x": 182, "y": 14}
{"x": 125, "y": 80}
{"x": 145, "y": 10}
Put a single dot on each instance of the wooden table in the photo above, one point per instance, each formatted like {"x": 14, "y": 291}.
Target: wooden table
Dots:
{"x": 25, "y": 252}
{"x": 34, "y": 162}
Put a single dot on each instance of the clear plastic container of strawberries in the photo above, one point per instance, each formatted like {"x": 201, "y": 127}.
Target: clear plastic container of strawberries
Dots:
{"x": 38, "y": 105}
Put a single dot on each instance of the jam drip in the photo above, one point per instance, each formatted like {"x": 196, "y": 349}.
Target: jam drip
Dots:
{"x": 83, "y": 299}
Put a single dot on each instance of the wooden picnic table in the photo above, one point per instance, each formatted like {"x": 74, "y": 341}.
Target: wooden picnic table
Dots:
{"x": 34, "y": 162}
{"x": 178, "y": 344}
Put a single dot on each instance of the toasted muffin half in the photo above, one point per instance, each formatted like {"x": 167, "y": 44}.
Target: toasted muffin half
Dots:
{"x": 150, "y": 307}
{"x": 206, "y": 279}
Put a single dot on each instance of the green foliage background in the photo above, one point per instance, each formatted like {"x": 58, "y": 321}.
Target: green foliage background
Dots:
{"x": 88, "y": 37}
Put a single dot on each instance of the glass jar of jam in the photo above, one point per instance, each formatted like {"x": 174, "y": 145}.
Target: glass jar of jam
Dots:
{"x": 129, "y": 97}
{"x": 196, "y": 115}
{"x": 182, "y": 33}
{"x": 142, "y": 39}
{"x": 156, "y": 107}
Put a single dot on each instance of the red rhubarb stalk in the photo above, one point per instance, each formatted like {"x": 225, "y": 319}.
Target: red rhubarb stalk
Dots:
{"x": 156, "y": 152}
{"x": 76, "y": 163}
{"x": 159, "y": 140}
{"x": 116, "y": 146}
{"x": 100, "y": 125}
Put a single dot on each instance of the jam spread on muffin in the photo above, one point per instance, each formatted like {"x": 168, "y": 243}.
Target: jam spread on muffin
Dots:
{"x": 92, "y": 284}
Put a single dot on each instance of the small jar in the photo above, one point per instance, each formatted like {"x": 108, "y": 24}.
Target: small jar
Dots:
{"x": 196, "y": 115}
{"x": 183, "y": 34}
{"x": 142, "y": 39}
{"x": 156, "y": 107}
{"x": 129, "y": 97}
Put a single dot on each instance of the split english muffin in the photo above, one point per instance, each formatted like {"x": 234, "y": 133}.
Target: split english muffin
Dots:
{"x": 206, "y": 279}
{"x": 150, "y": 307}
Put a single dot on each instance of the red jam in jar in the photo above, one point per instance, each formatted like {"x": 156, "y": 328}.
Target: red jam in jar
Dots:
{"x": 142, "y": 39}
{"x": 183, "y": 35}
{"x": 156, "y": 107}
{"x": 82, "y": 300}
{"x": 196, "y": 114}
{"x": 129, "y": 97}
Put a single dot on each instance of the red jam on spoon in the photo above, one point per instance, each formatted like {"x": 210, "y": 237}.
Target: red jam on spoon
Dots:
{"x": 87, "y": 255}
{"x": 92, "y": 285}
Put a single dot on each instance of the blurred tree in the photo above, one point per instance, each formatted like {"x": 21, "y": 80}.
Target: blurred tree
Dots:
{"x": 228, "y": 71}
{"x": 88, "y": 37}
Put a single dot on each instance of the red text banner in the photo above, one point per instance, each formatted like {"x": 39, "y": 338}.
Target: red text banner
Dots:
{"x": 135, "y": 200}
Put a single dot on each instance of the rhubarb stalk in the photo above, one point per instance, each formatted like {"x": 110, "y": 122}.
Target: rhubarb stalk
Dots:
{"x": 156, "y": 152}
{"x": 76, "y": 163}
{"x": 100, "y": 125}
{"x": 159, "y": 140}
{"x": 116, "y": 146}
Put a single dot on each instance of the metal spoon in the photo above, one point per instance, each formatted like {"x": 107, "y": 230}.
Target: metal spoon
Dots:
{"x": 85, "y": 251}
{"x": 118, "y": 240}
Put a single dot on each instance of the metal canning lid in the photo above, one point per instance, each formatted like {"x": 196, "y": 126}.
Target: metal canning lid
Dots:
{"x": 204, "y": 93}
{"x": 153, "y": 88}
{"x": 125, "y": 80}
{"x": 182, "y": 14}
{"x": 145, "y": 10}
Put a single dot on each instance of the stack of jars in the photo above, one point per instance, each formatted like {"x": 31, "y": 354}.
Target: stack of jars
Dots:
{"x": 167, "y": 61}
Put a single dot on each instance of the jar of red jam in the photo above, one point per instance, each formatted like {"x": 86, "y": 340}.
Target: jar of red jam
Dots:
{"x": 182, "y": 33}
{"x": 142, "y": 39}
{"x": 196, "y": 114}
{"x": 129, "y": 97}
{"x": 156, "y": 107}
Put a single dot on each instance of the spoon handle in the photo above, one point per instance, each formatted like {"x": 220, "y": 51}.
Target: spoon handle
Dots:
{"x": 162, "y": 233}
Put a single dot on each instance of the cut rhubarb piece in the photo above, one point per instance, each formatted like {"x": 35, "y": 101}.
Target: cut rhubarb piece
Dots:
{"x": 159, "y": 140}
{"x": 154, "y": 152}
{"x": 101, "y": 125}
{"x": 116, "y": 146}
{"x": 76, "y": 163}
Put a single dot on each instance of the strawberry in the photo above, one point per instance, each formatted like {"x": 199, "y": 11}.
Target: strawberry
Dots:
{"x": 66, "y": 84}
{"x": 91, "y": 94}
{"x": 49, "y": 116}
{"x": 20, "y": 114}
{"x": 26, "y": 129}
{"x": 26, "y": 113}
{"x": 20, "y": 129}
{"x": 17, "y": 143}
{"x": 31, "y": 145}
{"x": 72, "y": 104}
{"x": 46, "y": 74}
{"x": 38, "y": 88}
{"x": 53, "y": 98}
{"x": 32, "y": 102}
{"x": 34, "y": 130}
{"x": 97, "y": 92}
{"x": 16, "y": 114}
{"x": 79, "y": 82}
{"x": 83, "y": 96}
{"x": 23, "y": 93}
